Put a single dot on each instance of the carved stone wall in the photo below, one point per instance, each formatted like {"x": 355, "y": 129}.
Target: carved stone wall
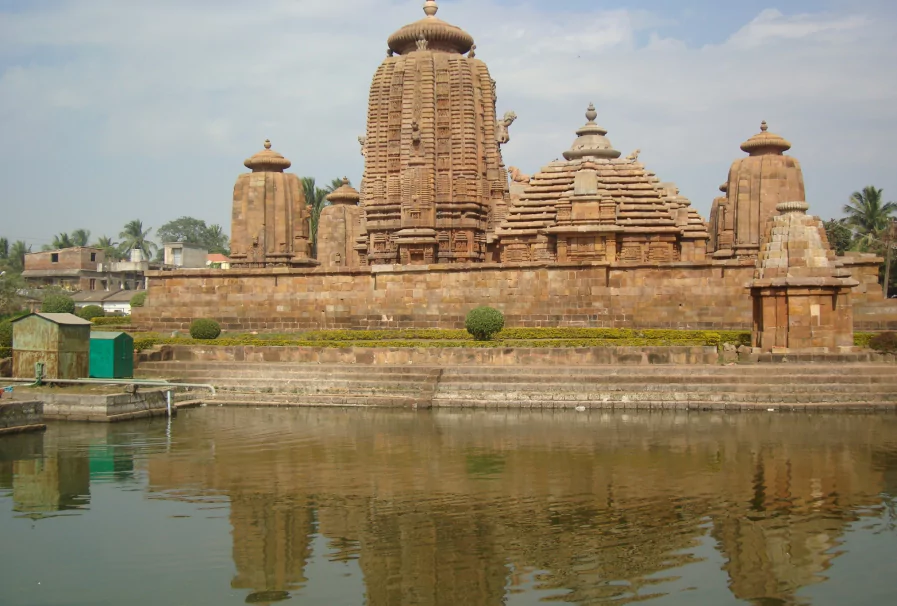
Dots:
{"x": 433, "y": 167}
{"x": 269, "y": 226}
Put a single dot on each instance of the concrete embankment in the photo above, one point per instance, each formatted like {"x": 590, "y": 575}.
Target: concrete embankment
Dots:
{"x": 103, "y": 408}
{"x": 21, "y": 417}
{"x": 802, "y": 386}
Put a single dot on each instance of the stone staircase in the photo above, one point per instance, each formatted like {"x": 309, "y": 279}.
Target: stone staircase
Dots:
{"x": 735, "y": 387}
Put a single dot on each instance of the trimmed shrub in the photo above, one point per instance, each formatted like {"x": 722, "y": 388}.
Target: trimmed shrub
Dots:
{"x": 205, "y": 329}
{"x": 138, "y": 300}
{"x": 112, "y": 321}
{"x": 885, "y": 342}
{"x": 58, "y": 304}
{"x": 483, "y": 322}
{"x": 90, "y": 312}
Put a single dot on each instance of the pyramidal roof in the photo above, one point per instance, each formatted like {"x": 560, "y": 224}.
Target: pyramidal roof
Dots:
{"x": 642, "y": 202}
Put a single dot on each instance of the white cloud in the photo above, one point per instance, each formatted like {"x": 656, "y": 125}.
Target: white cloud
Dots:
{"x": 167, "y": 98}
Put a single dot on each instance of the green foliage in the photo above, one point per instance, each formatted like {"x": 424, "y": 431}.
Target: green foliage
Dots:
{"x": 861, "y": 339}
{"x": 135, "y": 237}
{"x": 10, "y": 299}
{"x": 110, "y": 248}
{"x": 483, "y": 322}
{"x": 57, "y": 304}
{"x": 4, "y": 249}
{"x": 138, "y": 300}
{"x": 885, "y": 342}
{"x": 195, "y": 231}
{"x": 90, "y": 312}
{"x": 316, "y": 199}
{"x": 112, "y": 321}
{"x": 15, "y": 261}
{"x": 205, "y": 329}
{"x": 81, "y": 237}
{"x": 840, "y": 238}
{"x": 5, "y": 334}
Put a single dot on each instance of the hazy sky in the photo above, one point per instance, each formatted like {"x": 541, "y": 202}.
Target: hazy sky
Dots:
{"x": 112, "y": 110}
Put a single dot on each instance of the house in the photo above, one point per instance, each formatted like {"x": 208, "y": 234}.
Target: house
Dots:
{"x": 84, "y": 268}
{"x": 217, "y": 261}
{"x": 116, "y": 302}
{"x": 183, "y": 255}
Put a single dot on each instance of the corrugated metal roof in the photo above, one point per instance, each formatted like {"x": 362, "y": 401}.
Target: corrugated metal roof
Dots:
{"x": 66, "y": 319}
{"x": 105, "y": 335}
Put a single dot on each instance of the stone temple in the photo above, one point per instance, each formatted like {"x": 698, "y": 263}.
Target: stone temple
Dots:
{"x": 440, "y": 225}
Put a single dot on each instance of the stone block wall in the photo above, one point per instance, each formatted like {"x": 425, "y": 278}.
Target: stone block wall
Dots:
{"x": 705, "y": 295}
{"x": 14, "y": 415}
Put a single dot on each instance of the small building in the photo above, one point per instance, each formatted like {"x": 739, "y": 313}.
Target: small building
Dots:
{"x": 117, "y": 302}
{"x": 183, "y": 255}
{"x": 61, "y": 342}
{"x": 84, "y": 269}
{"x": 111, "y": 355}
{"x": 217, "y": 261}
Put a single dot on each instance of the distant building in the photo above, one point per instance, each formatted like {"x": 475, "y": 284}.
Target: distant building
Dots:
{"x": 217, "y": 261}
{"x": 113, "y": 303}
{"x": 84, "y": 269}
{"x": 183, "y": 255}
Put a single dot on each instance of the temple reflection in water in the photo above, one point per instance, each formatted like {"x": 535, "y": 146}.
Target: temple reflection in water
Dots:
{"x": 458, "y": 509}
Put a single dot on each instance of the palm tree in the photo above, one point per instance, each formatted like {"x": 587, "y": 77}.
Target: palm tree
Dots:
{"x": 60, "y": 241}
{"x": 4, "y": 248}
{"x": 80, "y": 237}
{"x": 216, "y": 240}
{"x": 109, "y": 247}
{"x": 17, "y": 253}
{"x": 316, "y": 199}
{"x": 135, "y": 237}
{"x": 868, "y": 216}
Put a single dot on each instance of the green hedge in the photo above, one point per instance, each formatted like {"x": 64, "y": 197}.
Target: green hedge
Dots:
{"x": 57, "y": 304}
{"x": 5, "y": 352}
{"x": 90, "y": 312}
{"x": 112, "y": 321}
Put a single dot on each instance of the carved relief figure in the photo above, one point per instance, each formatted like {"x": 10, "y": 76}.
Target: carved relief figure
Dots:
{"x": 501, "y": 129}
{"x": 517, "y": 176}
{"x": 361, "y": 141}
{"x": 633, "y": 157}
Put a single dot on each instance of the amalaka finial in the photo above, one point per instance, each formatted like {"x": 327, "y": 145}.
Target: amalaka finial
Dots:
{"x": 763, "y": 126}
{"x": 267, "y": 143}
{"x": 591, "y": 114}
{"x": 430, "y": 8}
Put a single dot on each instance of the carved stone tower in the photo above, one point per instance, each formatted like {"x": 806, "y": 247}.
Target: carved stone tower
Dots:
{"x": 756, "y": 185}
{"x": 433, "y": 168}
{"x": 269, "y": 226}
{"x": 339, "y": 228}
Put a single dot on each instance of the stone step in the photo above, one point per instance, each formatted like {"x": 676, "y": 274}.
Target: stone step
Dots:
{"x": 616, "y": 386}
{"x": 292, "y": 400}
{"x": 648, "y": 404}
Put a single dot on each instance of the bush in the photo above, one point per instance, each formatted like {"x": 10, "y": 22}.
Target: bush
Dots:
{"x": 112, "y": 321}
{"x": 138, "y": 300}
{"x": 205, "y": 329}
{"x": 90, "y": 312}
{"x": 58, "y": 304}
{"x": 5, "y": 334}
{"x": 483, "y": 322}
{"x": 885, "y": 342}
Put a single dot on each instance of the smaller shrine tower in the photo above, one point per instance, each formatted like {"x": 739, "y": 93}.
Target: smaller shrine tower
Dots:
{"x": 755, "y": 186}
{"x": 269, "y": 226}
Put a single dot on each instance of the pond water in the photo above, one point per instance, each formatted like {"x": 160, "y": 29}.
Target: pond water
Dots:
{"x": 231, "y": 506}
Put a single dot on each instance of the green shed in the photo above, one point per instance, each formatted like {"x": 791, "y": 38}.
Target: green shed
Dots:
{"x": 111, "y": 355}
{"x": 61, "y": 342}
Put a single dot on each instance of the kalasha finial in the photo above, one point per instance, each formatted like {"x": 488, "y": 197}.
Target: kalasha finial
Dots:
{"x": 591, "y": 114}
{"x": 763, "y": 126}
{"x": 345, "y": 181}
{"x": 267, "y": 143}
{"x": 430, "y": 8}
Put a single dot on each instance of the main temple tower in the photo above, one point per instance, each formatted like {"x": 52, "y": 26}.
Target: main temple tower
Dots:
{"x": 433, "y": 175}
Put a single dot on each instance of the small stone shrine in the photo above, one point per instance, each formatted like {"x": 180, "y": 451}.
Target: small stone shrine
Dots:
{"x": 270, "y": 218}
{"x": 800, "y": 293}
{"x": 339, "y": 228}
{"x": 756, "y": 185}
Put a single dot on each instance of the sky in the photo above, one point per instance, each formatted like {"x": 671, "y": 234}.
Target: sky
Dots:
{"x": 115, "y": 110}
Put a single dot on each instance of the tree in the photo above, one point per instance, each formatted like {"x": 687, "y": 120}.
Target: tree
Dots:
{"x": 839, "y": 235}
{"x": 60, "y": 241}
{"x": 316, "y": 199}
{"x": 195, "y": 231}
{"x": 16, "y": 258}
{"x": 134, "y": 237}
{"x": 110, "y": 249}
{"x": 80, "y": 237}
{"x": 868, "y": 216}
{"x": 4, "y": 248}
{"x": 11, "y": 300}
